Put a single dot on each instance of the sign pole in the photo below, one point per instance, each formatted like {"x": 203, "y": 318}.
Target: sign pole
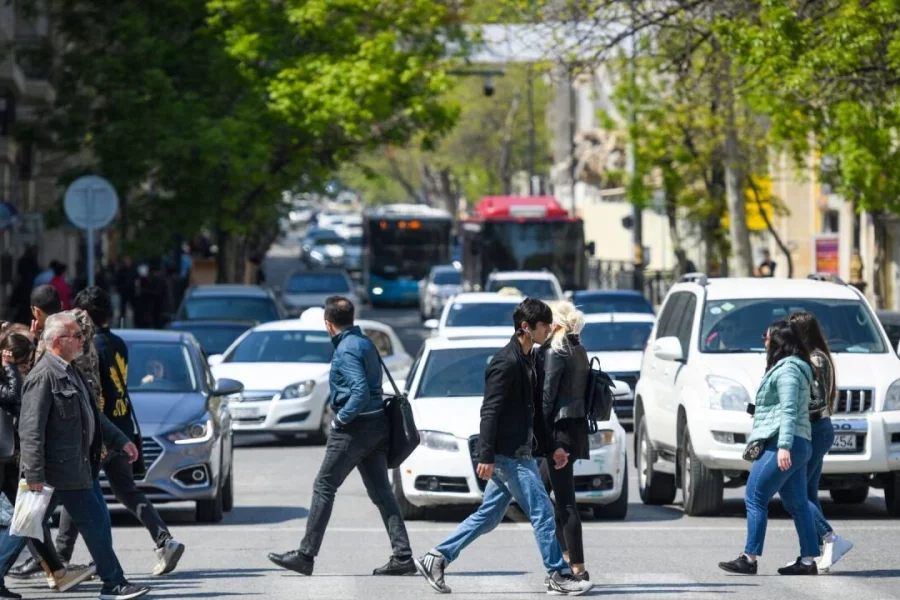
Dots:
{"x": 91, "y": 204}
{"x": 90, "y": 256}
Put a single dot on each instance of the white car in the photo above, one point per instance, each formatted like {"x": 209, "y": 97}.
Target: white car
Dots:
{"x": 618, "y": 341}
{"x": 284, "y": 366}
{"x": 446, "y": 389}
{"x": 441, "y": 284}
{"x": 476, "y": 314}
{"x": 704, "y": 363}
{"x": 542, "y": 285}
{"x": 306, "y": 289}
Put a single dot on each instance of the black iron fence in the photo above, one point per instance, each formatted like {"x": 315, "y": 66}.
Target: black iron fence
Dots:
{"x": 621, "y": 275}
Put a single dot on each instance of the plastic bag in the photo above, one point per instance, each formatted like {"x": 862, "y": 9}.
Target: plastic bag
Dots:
{"x": 31, "y": 507}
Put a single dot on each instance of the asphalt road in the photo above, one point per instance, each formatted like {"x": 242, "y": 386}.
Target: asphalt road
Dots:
{"x": 657, "y": 552}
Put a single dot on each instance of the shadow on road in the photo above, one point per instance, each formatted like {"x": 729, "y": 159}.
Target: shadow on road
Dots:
{"x": 207, "y": 574}
{"x": 877, "y": 574}
{"x": 264, "y": 515}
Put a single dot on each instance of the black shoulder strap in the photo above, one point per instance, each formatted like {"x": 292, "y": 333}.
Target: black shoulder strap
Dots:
{"x": 386, "y": 372}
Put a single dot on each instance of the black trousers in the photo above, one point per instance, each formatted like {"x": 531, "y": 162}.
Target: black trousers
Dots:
{"x": 121, "y": 481}
{"x": 362, "y": 445}
{"x": 568, "y": 520}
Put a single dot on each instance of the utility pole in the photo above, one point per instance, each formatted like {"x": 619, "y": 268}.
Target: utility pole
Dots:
{"x": 533, "y": 189}
{"x": 636, "y": 211}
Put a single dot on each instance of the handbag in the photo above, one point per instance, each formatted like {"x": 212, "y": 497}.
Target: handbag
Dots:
{"x": 403, "y": 436}
{"x": 754, "y": 450}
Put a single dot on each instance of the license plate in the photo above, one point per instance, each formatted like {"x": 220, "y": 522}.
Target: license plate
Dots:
{"x": 244, "y": 412}
{"x": 844, "y": 443}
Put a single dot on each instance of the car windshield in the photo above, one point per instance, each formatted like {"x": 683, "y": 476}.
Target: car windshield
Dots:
{"x": 487, "y": 314}
{"x": 738, "y": 326}
{"x": 318, "y": 283}
{"x": 215, "y": 339}
{"x": 590, "y": 305}
{"x": 230, "y": 308}
{"x": 160, "y": 367}
{"x": 283, "y": 347}
{"x": 455, "y": 372}
{"x": 615, "y": 337}
{"x": 447, "y": 278}
{"x": 542, "y": 289}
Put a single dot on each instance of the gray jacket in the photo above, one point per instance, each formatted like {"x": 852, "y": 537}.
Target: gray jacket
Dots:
{"x": 53, "y": 427}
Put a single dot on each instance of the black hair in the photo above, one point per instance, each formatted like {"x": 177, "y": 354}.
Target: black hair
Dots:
{"x": 784, "y": 341}
{"x": 59, "y": 269}
{"x": 46, "y": 298}
{"x": 339, "y": 311}
{"x": 532, "y": 311}
{"x": 807, "y": 327}
{"x": 20, "y": 345}
{"x": 96, "y": 303}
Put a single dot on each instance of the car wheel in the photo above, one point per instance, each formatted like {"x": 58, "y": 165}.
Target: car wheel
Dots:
{"x": 892, "y": 494}
{"x": 855, "y": 495}
{"x": 228, "y": 491}
{"x": 703, "y": 489}
{"x": 324, "y": 430}
{"x": 655, "y": 488}
{"x": 617, "y": 510}
{"x": 211, "y": 511}
{"x": 409, "y": 511}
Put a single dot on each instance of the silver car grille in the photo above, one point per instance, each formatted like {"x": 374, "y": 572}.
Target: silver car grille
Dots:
{"x": 152, "y": 451}
{"x": 256, "y": 396}
{"x": 851, "y": 401}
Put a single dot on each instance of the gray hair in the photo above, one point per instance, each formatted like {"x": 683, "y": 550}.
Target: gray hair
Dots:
{"x": 57, "y": 326}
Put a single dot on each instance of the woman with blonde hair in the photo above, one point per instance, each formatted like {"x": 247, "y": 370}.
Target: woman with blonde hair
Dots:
{"x": 566, "y": 369}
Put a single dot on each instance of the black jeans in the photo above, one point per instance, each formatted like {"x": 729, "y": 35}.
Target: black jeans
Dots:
{"x": 361, "y": 444}
{"x": 121, "y": 481}
{"x": 568, "y": 521}
{"x": 9, "y": 485}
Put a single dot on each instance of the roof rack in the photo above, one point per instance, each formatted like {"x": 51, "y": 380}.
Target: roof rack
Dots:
{"x": 828, "y": 277}
{"x": 698, "y": 278}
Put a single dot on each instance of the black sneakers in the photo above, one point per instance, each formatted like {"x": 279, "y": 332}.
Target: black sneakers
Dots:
{"x": 293, "y": 561}
{"x": 798, "y": 568}
{"x": 396, "y": 567}
{"x": 741, "y": 566}
{"x": 27, "y": 570}
{"x": 126, "y": 591}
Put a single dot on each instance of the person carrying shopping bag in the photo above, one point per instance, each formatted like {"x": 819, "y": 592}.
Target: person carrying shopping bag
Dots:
{"x": 780, "y": 444}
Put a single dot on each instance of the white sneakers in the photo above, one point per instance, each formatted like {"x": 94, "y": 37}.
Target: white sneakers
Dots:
{"x": 833, "y": 551}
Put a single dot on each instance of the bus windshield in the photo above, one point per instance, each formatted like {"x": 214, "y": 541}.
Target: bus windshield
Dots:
{"x": 400, "y": 249}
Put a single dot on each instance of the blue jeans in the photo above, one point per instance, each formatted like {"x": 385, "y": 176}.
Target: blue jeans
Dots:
{"x": 90, "y": 514}
{"x": 519, "y": 479}
{"x": 822, "y": 438}
{"x": 766, "y": 479}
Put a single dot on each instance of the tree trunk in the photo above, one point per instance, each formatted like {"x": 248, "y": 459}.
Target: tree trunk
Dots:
{"x": 734, "y": 193}
{"x": 781, "y": 245}
{"x": 222, "y": 240}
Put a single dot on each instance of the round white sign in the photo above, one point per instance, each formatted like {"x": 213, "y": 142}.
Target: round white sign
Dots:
{"x": 91, "y": 202}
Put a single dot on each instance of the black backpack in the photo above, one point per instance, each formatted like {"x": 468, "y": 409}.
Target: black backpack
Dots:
{"x": 598, "y": 402}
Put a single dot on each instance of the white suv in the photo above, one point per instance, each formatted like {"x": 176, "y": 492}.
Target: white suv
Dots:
{"x": 704, "y": 363}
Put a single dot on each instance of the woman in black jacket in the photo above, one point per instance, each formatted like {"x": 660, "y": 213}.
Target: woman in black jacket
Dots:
{"x": 16, "y": 351}
{"x": 566, "y": 368}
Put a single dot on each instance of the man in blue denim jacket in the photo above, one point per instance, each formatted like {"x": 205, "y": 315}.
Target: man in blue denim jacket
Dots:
{"x": 359, "y": 439}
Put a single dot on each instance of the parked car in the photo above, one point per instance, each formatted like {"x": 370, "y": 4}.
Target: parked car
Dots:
{"x": 542, "y": 285}
{"x": 230, "y": 302}
{"x": 446, "y": 390}
{"x": 618, "y": 340}
{"x": 183, "y": 412}
{"x": 284, "y": 367}
{"x": 476, "y": 314}
{"x": 307, "y": 289}
{"x": 214, "y": 335}
{"x": 441, "y": 284}
{"x": 611, "y": 301}
{"x": 703, "y": 365}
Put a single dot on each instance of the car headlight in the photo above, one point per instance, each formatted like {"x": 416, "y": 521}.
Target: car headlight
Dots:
{"x": 439, "y": 441}
{"x": 604, "y": 437}
{"x": 727, "y": 394}
{"x": 892, "y": 399}
{"x": 316, "y": 255}
{"x": 195, "y": 433}
{"x": 298, "y": 390}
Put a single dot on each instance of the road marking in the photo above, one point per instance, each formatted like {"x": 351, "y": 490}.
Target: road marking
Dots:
{"x": 507, "y": 527}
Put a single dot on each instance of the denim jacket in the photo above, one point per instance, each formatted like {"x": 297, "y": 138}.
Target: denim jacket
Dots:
{"x": 355, "y": 380}
{"x": 782, "y": 403}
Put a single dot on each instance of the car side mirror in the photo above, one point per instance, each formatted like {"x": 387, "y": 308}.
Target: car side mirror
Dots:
{"x": 569, "y": 295}
{"x": 228, "y": 387}
{"x": 431, "y": 324}
{"x": 215, "y": 359}
{"x": 668, "y": 348}
{"x": 621, "y": 389}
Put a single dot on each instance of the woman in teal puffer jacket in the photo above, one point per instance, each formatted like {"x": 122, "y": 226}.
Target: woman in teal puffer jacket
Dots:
{"x": 782, "y": 421}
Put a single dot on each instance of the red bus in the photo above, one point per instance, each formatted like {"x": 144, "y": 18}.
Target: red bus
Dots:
{"x": 532, "y": 233}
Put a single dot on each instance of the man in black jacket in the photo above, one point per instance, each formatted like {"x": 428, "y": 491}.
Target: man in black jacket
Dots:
{"x": 511, "y": 422}
{"x": 62, "y": 433}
